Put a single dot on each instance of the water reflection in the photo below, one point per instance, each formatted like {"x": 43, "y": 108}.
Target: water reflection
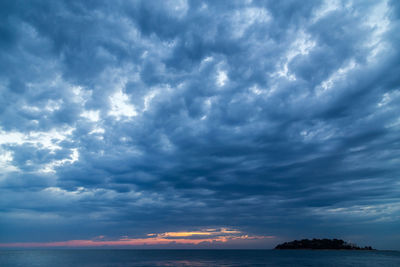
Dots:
{"x": 135, "y": 258}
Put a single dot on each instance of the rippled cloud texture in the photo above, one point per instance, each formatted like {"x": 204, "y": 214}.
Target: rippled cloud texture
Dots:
{"x": 274, "y": 119}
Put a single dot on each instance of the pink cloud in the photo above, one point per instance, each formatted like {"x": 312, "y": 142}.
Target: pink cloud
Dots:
{"x": 196, "y": 237}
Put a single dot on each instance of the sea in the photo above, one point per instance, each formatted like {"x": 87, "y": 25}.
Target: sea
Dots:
{"x": 129, "y": 257}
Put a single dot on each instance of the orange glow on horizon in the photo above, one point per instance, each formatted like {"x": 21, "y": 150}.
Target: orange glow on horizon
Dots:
{"x": 152, "y": 239}
{"x": 183, "y": 234}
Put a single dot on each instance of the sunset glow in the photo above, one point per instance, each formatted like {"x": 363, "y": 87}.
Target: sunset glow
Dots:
{"x": 224, "y": 235}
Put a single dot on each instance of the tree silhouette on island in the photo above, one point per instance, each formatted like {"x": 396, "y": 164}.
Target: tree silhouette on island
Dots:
{"x": 321, "y": 244}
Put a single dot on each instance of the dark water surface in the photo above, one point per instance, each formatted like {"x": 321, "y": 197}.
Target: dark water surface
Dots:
{"x": 91, "y": 258}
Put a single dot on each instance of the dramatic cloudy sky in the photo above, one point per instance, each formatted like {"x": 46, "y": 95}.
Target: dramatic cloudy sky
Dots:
{"x": 216, "y": 123}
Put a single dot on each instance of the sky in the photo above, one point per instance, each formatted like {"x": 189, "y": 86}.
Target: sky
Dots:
{"x": 199, "y": 124}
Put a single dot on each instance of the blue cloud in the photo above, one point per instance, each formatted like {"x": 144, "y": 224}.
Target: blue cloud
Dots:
{"x": 276, "y": 118}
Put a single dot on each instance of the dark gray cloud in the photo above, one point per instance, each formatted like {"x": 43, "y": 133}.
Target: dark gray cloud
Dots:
{"x": 126, "y": 118}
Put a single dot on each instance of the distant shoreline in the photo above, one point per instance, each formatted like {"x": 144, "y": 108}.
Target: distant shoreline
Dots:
{"x": 320, "y": 244}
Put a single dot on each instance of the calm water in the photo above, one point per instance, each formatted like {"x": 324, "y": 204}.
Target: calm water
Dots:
{"x": 90, "y": 258}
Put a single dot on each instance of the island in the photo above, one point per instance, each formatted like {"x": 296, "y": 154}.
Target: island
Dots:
{"x": 321, "y": 244}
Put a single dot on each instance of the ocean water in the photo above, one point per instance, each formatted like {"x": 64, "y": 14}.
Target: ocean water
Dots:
{"x": 122, "y": 258}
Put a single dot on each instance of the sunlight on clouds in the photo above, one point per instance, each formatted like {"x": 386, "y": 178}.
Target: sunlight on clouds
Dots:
{"x": 98, "y": 133}
{"x": 11, "y": 137}
{"x": 53, "y": 105}
{"x": 92, "y": 115}
{"x": 224, "y": 235}
{"x": 148, "y": 98}
{"x": 388, "y": 104}
{"x": 222, "y": 78}
{"x": 244, "y": 19}
{"x": 339, "y": 75}
{"x": 394, "y": 124}
{"x": 183, "y": 234}
{"x": 50, "y": 167}
{"x": 327, "y": 7}
{"x": 41, "y": 140}
{"x": 318, "y": 133}
{"x": 207, "y": 108}
{"x": 79, "y": 192}
{"x": 205, "y": 62}
{"x": 31, "y": 109}
{"x": 80, "y": 95}
{"x": 389, "y": 97}
{"x": 6, "y": 161}
{"x": 204, "y": 232}
{"x": 229, "y": 231}
{"x": 302, "y": 45}
{"x": 256, "y": 90}
{"x": 378, "y": 22}
{"x": 120, "y": 106}
{"x": 177, "y": 8}
{"x": 370, "y": 213}
{"x": 47, "y": 140}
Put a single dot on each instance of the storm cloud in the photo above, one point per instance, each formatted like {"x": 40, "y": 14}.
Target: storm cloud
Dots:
{"x": 126, "y": 118}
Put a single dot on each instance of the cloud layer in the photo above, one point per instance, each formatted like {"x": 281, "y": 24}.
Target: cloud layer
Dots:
{"x": 123, "y": 118}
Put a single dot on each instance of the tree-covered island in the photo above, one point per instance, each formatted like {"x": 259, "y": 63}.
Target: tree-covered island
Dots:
{"x": 320, "y": 244}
